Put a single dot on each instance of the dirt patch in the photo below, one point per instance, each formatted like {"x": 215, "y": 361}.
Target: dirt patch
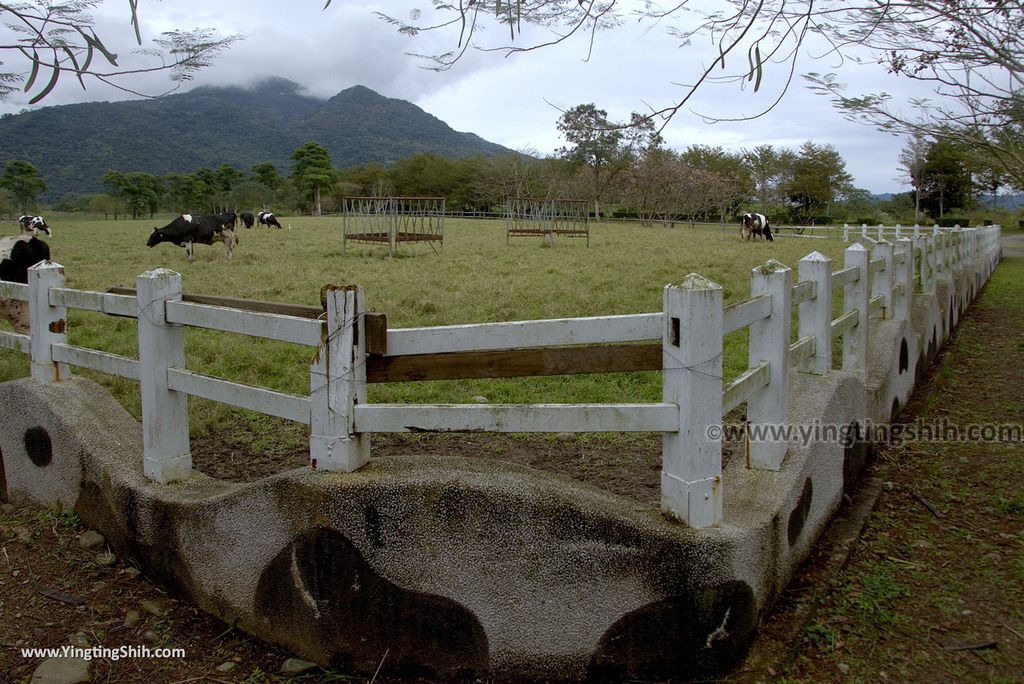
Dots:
{"x": 624, "y": 464}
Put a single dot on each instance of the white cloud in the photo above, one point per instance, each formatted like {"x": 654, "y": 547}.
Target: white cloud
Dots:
{"x": 513, "y": 101}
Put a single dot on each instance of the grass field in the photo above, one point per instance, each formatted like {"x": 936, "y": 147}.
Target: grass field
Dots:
{"x": 477, "y": 278}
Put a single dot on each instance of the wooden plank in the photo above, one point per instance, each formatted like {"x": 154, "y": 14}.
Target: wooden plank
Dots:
{"x": 112, "y": 304}
{"x": 376, "y": 323}
{"x": 845, "y": 276}
{"x": 801, "y": 350}
{"x": 515, "y": 363}
{"x": 740, "y": 389}
{"x": 265, "y": 325}
{"x": 743, "y": 314}
{"x": 287, "y": 406}
{"x": 804, "y": 291}
{"x": 524, "y": 334}
{"x": 14, "y": 341}
{"x": 14, "y": 291}
{"x": 845, "y": 322}
{"x": 296, "y": 310}
{"x": 517, "y": 418}
{"x": 376, "y": 333}
{"x": 112, "y": 364}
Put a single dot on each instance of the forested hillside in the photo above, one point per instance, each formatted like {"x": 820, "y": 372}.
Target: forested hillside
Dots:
{"x": 73, "y": 146}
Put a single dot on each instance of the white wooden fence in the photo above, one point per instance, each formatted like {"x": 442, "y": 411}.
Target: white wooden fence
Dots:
{"x": 691, "y": 326}
{"x": 881, "y": 232}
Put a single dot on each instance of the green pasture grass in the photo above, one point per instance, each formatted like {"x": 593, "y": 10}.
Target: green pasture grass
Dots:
{"x": 475, "y": 278}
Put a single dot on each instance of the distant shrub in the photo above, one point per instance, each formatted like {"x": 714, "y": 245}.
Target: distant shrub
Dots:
{"x": 950, "y": 221}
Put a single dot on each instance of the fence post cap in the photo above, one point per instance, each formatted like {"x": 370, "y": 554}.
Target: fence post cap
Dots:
{"x": 46, "y": 265}
{"x": 883, "y": 242}
{"x": 159, "y": 273}
{"x": 694, "y": 281}
{"x": 856, "y": 247}
{"x": 770, "y": 266}
{"x": 816, "y": 256}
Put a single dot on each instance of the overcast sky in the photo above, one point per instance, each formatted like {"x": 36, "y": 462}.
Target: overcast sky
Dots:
{"x": 513, "y": 101}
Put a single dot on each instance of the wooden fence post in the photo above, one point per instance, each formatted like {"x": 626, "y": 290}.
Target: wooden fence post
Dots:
{"x": 904, "y": 273}
{"x": 816, "y": 314}
{"x": 691, "y": 459}
{"x": 338, "y": 383}
{"x": 856, "y": 297}
{"x": 769, "y": 341}
{"x": 883, "y": 281}
{"x": 167, "y": 455}
{"x": 47, "y": 324}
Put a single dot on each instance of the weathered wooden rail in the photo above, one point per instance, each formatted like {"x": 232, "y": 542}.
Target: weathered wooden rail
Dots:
{"x": 684, "y": 342}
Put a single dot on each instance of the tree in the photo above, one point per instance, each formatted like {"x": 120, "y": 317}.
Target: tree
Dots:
{"x": 819, "y": 179}
{"x": 22, "y": 180}
{"x": 947, "y": 181}
{"x": 139, "y": 191}
{"x": 970, "y": 51}
{"x": 723, "y": 175}
{"x": 604, "y": 150}
{"x": 55, "y": 39}
{"x": 311, "y": 172}
{"x": 912, "y": 161}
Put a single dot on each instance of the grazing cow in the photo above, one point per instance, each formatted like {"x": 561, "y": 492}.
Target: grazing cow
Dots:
{"x": 755, "y": 225}
{"x": 267, "y": 219}
{"x": 34, "y": 225}
{"x": 186, "y": 230}
{"x": 247, "y": 219}
{"x": 17, "y": 254}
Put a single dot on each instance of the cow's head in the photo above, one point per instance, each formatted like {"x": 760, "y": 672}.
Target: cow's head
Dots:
{"x": 155, "y": 238}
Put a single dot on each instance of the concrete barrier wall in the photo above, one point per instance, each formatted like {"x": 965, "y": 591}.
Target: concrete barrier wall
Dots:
{"x": 477, "y": 567}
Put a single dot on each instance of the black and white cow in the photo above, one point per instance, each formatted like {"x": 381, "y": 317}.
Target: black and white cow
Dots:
{"x": 267, "y": 219}
{"x": 247, "y": 219}
{"x": 34, "y": 225}
{"x": 187, "y": 230}
{"x": 755, "y": 225}
{"x": 17, "y": 254}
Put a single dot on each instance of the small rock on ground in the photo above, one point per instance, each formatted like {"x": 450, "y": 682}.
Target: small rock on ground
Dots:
{"x": 91, "y": 539}
{"x": 8, "y": 509}
{"x": 226, "y": 667}
{"x": 132, "y": 572}
{"x": 294, "y": 666}
{"x": 132, "y": 618}
{"x": 480, "y": 399}
{"x": 79, "y": 639}
{"x": 63, "y": 671}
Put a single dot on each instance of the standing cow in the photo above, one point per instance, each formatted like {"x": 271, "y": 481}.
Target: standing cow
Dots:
{"x": 267, "y": 219}
{"x": 187, "y": 230}
{"x": 755, "y": 225}
{"x": 34, "y": 224}
{"x": 17, "y": 254}
{"x": 247, "y": 219}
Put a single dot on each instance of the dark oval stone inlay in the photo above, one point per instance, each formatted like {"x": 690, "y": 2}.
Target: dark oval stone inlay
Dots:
{"x": 320, "y": 591}
{"x": 38, "y": 446}
{"x": 799, "y": 514}
{"x": 904, "y": 357}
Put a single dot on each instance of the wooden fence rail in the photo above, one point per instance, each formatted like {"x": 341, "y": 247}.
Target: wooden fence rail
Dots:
{"x": 684, "y": 342}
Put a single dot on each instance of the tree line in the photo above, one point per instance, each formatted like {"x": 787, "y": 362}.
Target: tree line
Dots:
{"x": 623, "y": 168}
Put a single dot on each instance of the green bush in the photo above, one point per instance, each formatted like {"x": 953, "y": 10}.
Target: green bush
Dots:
{"x": 951, "y": 221}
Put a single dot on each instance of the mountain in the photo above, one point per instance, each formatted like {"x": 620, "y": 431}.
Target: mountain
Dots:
{"x": 73, "y": 146}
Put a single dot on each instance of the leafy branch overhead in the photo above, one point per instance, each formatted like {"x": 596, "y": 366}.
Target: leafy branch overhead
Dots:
{"x": 969, "y": 52}
{"x": 52, "y": 40}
